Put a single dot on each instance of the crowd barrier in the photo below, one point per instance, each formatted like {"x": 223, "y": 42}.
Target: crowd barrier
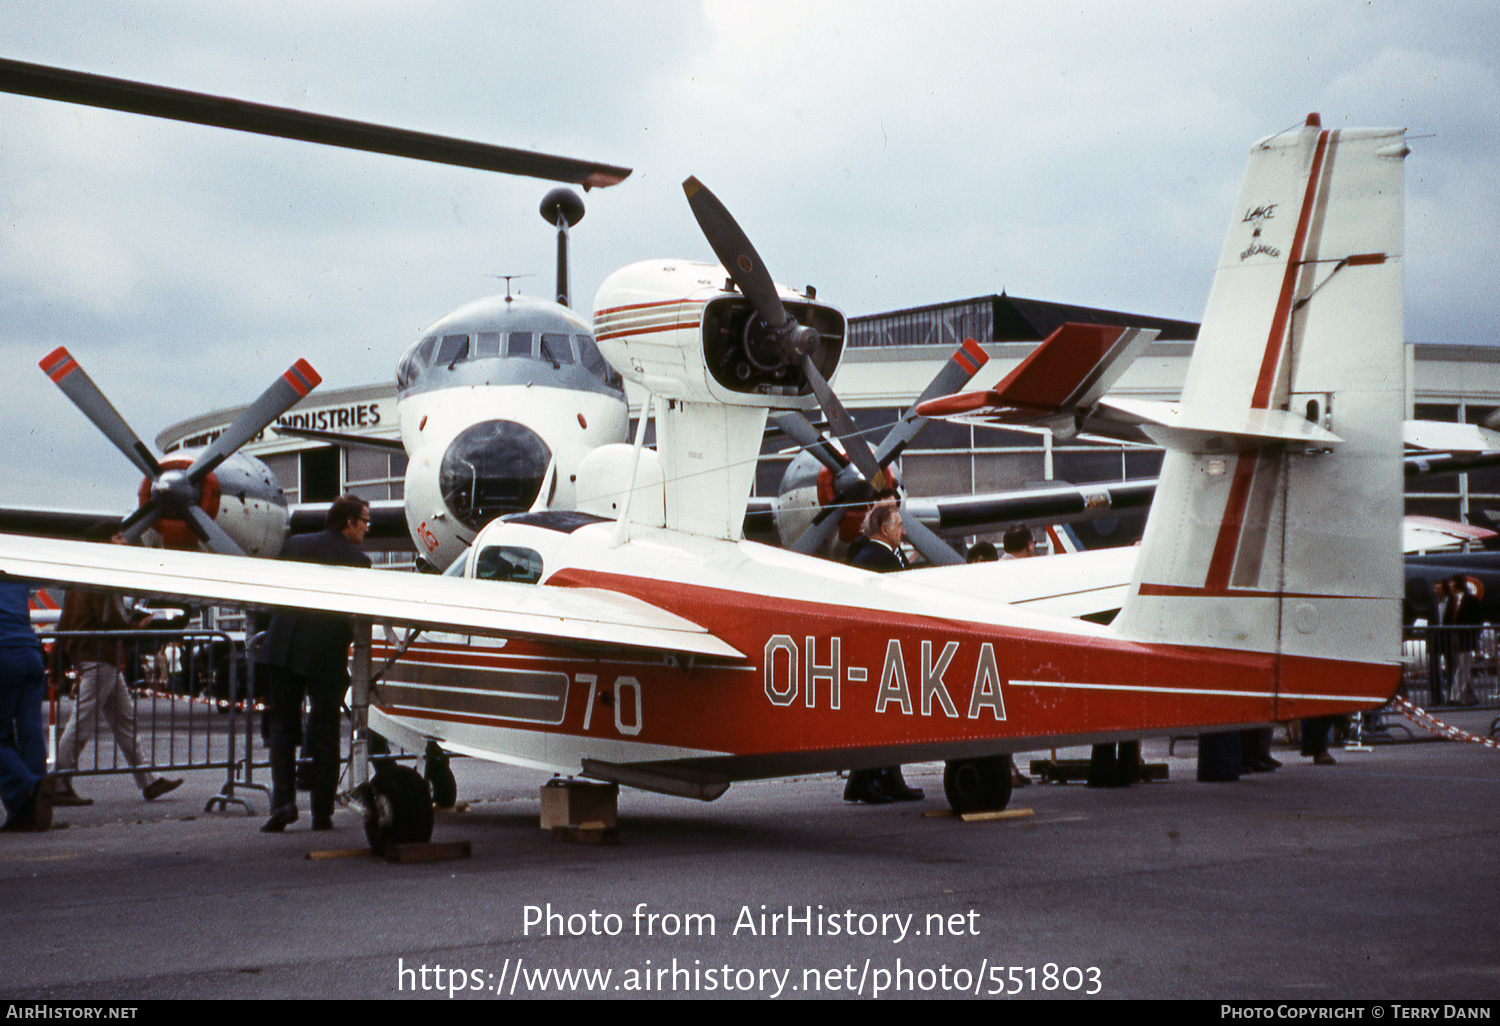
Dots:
{"x": 153, "y": 701}
{"x": 186, "y": 700}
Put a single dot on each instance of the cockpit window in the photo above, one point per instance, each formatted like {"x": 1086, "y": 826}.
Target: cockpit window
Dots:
{"x": 557, "y": 348}
{"x": 519, "y": 344}
{"x": 416, "y": 361}
{"x": 453, "y": 349}
{"x": 593, "y": 362}
{"x": 508, "y": 563}
{"x": 486, "y": 343}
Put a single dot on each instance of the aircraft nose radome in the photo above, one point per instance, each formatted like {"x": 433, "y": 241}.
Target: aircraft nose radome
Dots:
{"x": 491, "y": 469}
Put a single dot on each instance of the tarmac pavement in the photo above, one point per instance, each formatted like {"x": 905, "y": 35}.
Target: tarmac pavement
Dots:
{"x": 1372, "y": 879}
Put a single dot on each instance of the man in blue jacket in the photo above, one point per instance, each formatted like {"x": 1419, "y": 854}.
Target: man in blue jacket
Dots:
{"x": 25, "y": 786}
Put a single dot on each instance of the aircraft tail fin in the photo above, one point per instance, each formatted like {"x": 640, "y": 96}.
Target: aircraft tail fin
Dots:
{"x": 1268, "y": 545}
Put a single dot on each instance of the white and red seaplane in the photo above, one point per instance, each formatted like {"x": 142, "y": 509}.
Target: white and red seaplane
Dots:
{"x": 640, "y": 639}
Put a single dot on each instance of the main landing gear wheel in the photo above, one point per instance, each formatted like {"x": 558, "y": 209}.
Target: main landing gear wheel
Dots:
{"x": 400, "y": 808}
{"x": 978, "y": 785}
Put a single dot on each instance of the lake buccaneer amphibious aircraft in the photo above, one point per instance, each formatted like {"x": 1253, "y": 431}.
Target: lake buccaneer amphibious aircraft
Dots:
{"x": 661, "y": 650}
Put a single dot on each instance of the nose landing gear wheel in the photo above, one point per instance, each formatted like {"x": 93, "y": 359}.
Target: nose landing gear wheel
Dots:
{"x": 977, "y": 785}
{"x": 400, "y": 808}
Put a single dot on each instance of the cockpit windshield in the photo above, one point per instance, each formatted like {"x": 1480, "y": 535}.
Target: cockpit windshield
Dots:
{"x": 450, "y": 351}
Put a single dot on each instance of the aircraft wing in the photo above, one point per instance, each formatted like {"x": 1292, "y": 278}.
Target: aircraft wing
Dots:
{"x": 580, "y": 615}
{"x": 1056, "y": 504}
{"x": 387, "y": 519}
{"x": 50, "y": 523}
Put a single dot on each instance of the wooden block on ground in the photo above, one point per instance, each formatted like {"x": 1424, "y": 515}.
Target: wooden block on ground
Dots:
{"x": 573, "y": 803}
{"x": 587, "y": 833}
{"x": 985, "y": 817}
{"x": 427, "y": 851}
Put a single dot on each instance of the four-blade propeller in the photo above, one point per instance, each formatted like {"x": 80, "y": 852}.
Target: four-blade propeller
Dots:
{"x": 175, "y": 492}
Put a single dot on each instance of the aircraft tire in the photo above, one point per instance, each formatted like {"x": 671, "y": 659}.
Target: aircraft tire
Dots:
{"x": 977, "y": 785}
{"x": 400, "y": 809}
{"x": 440, "y": 778}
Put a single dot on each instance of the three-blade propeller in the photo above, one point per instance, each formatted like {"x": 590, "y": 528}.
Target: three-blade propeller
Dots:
{"x": 177, "y": 493}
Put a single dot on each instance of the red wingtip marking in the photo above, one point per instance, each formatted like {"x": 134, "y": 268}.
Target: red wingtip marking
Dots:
{"x": 963, "y": 402}
{"x": 1314, "y": 121}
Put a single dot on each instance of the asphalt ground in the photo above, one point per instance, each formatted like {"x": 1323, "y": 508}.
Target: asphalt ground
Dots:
{"x": 1373, "y": 879}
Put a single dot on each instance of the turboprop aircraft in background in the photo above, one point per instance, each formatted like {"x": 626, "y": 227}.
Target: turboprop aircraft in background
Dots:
{"x": 663, "y": 651}
{"x": 498, "y": 402}
{"x": 230, "y": 501}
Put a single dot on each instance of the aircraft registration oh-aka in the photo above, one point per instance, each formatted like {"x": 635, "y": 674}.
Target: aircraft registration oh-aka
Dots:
{"x": 661, "y": 650}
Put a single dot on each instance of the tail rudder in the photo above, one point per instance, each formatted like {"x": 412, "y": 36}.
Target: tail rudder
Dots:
{"x": 1259, "y": 544}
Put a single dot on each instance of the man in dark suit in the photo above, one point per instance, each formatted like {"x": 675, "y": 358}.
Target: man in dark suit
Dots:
{"x": 883, "y": 536}
{"x": 307, "y": 657}
{"x": 1463, "y": 612}
{"x": 881, "y": 553}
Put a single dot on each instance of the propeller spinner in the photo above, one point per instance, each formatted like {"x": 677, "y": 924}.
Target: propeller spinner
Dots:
{"x": 849, "y": 489}
{"x": 174, "y": 492}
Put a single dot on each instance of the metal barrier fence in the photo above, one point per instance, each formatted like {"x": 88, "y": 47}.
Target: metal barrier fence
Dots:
{"x": 166, "y": 701}
{"x": 152, "y": 701}
{"x": 1450, "y": 667}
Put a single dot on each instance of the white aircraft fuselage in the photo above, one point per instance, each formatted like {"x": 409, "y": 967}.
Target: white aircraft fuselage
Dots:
{"x": 497, "y": 403}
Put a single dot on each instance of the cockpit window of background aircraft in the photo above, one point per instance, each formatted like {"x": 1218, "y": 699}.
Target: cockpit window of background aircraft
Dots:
{"x": 557, "y": 349}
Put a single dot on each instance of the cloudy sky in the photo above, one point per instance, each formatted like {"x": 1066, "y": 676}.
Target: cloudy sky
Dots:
{"x": 891, "y": 154}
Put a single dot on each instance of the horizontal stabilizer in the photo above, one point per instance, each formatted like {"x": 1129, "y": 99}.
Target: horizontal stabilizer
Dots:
{"x": 1064, "y": 377}
{"x": 1208, "y": 430}
{"x": 1442, "y": 436}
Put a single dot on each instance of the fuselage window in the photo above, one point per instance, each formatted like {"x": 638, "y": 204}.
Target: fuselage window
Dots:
{"x": 519, "y": 344}
{"x": 557, "y": 348}
{"x": 486, "y": 343}
{"x": 508, "y": 563}
{"x": 453, "y": 349}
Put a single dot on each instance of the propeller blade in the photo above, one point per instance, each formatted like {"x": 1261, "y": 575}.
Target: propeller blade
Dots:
{"x": 843, "y": 424}
{"x": 795, "y": 427}
{"x": 732, "y": 246}
{"x": 222, "y": 112}
{"x": 204, "y": 527}
{"x": 937, "y": 551}
{"x": 139, "y": 522}
{"x": 960, "y": 369}
{"x": 67, "y": 375}
{"x": 284, "y": 393}
{"x": 822, "y": 527}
